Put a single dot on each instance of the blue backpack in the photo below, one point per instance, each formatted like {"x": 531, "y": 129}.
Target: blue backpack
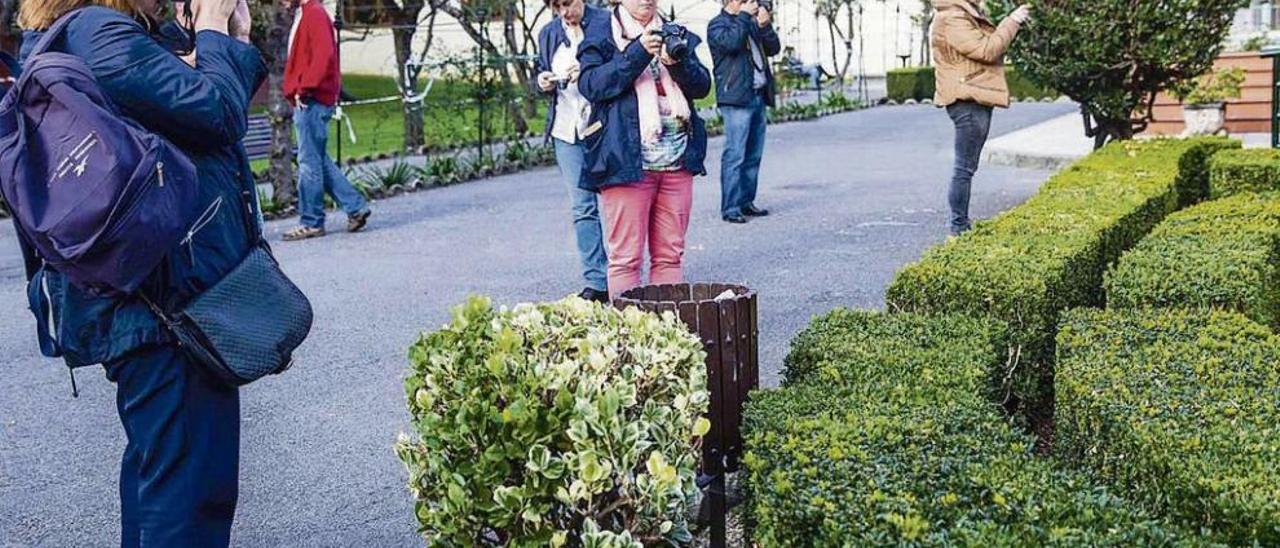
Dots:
{"x": 94, "y": 195}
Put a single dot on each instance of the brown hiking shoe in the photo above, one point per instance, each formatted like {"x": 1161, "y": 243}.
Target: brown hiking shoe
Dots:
{"x": 303, "y": 233}
{"x": 357, "y": 222}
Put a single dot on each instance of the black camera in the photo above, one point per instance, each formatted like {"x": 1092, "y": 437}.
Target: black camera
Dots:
{"x": 766, "y": 5}
{"x": 676, "y": 39}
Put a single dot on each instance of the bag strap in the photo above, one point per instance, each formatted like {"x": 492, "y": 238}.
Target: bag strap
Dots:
{"x": 51, "y": 35}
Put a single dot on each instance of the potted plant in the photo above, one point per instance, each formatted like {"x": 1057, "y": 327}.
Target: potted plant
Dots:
{"x": 1204, "y": 100}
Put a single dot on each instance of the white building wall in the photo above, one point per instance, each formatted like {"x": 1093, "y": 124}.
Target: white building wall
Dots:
{"x": 887, "y": 31}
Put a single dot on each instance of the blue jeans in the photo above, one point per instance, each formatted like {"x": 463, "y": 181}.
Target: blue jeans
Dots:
{"x": 973, "y": 123}
{"x": 586, "y": 216}
{"x": 318, "y": 174}
{"x": 180, "y": 473}
{"x": 743, "y": 148}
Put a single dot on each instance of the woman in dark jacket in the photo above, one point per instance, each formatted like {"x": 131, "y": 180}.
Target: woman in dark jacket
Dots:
{"x": 645, "y": 141}
{"x": 179, "y": 474}
{"x": 557, "y": 70}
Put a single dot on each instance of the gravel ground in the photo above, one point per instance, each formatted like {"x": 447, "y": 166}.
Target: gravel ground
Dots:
{"x": 854, "y": 197}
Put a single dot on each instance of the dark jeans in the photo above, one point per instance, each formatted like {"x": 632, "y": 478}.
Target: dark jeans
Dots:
{"x": 973, "y": 123}
{"x": 179, "y": 474}
{"x": 744, "y": 132}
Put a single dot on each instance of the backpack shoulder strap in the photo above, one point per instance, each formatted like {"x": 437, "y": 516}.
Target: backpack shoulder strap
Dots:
{"x": 50, "y": 36}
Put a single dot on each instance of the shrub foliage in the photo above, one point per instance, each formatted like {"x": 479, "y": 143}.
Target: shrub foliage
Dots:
{"x": 1180, "y": 408}
{"x": 556, "y": 424}
{"x": 1049, "y": 254}
{"x": 1248, "y": 170}
{"x": 883, "y": 437}
{"x": 1219, "y": 254}
{"x": 1113, "y": 56}
{"x": 919, "y": 83}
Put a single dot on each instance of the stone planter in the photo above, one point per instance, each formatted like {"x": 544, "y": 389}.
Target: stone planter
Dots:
{"x": 1205, "y": 119}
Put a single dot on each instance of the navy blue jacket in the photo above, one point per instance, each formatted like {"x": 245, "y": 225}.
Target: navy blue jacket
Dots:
{"x": 613, "y": 152}
{"x": 728, "y": 38}
{"x": 203, "y": 110}
{"x": 550, "y": 38}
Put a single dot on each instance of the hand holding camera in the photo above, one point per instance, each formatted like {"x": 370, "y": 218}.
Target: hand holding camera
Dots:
{"x": 764, "y": 13}
{"x": 546, "y": 81}
{"x": 652, "y": 42}
{"x": 673, "y": 42}
{"x": 1022, "y": 14}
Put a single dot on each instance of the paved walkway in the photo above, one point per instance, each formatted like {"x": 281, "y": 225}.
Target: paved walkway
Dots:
{"x": 854, "y": 197}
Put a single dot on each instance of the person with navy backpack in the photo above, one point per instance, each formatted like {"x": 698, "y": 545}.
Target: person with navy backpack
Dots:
{"x": 179, "y": 472}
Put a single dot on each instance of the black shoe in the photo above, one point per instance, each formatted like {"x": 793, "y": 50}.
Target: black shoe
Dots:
{"x": 753, "y": 211}
{"x": 357, "y": 222}
{"x": 595, "y": 295}
{"x": 736, "y": 219}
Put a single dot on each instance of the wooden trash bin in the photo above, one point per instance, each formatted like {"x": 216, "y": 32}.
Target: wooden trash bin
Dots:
{"x": 725, "y": 319}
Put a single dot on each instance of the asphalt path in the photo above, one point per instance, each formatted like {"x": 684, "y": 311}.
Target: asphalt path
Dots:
{"x": 854, "y": 197}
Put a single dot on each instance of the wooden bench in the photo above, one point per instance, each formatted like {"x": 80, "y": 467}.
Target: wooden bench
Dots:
{"x": 257, "y": 140}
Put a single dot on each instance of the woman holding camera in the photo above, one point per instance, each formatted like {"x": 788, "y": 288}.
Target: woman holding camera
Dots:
{"x": 179, "y": 473}
{"x": 645, "y": 141}
{"x": 968, "y": 53}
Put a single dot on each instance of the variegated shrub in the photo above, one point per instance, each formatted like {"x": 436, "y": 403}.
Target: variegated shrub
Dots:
{"x": 554, "y": 424}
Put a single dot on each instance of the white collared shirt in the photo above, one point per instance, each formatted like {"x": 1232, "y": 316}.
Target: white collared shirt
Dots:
{"x": 572, "y": 109}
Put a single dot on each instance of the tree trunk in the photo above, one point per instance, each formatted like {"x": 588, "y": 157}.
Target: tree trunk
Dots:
{"x": 281, "y": 172}
{"x": 414, "y": 130}
{"x": 523, "y": 103}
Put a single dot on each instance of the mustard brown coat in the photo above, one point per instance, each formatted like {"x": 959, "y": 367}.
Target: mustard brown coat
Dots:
{"x": 968, "y": 54}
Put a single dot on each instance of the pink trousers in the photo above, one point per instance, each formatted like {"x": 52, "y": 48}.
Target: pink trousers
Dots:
{"x": 652, "y": 213}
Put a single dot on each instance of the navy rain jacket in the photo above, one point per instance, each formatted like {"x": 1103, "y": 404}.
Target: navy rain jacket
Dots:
{"x": 613, "y": 153}
{"x": 204, "y": 111}
{"x": 728, "y": 37}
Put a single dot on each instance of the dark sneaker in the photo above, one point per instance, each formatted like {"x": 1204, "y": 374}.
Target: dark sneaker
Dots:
{"x": 738, "y": 219}
{"x": 595, "y": 295}
{"x": 357, "y": 223}
{"x": 753, "y": 211}
{"x": 303, "y": 233}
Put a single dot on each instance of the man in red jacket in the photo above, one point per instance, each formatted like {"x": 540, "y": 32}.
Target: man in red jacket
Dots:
{"x": 312, "y": 83}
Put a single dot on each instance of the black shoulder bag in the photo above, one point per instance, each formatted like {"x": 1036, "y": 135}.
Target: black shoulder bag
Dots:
{"x": 248, "y": 324}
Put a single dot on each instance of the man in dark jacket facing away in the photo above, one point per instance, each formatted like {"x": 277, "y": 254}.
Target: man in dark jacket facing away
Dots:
{"x": 742, "y": 39}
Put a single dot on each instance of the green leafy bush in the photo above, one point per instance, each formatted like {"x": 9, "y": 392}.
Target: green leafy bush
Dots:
{"x": 919, "y": 83}
{"x": 1026, "y": 265}
{"x": 1248, "y": 170}
{"x": 883, "y": 437}
{"x": 1219, "y": 254}
{"x": 1181, "y": 409}
{"x": 552, "y": 424}
{"x": 1113, "y": 56}
{"x": 916, "y": 83}
{"x": 1211, "y": 88}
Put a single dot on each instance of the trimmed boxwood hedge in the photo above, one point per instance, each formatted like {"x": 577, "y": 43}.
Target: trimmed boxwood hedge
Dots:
{"x": 1049, "y": 254}
{"x": 883, "y": 436}
{"x": 1255, "y": 169}
{"x": 1181, "y": 409}
{"x": 919, "y": 83}
{"x": 1219, "y": 254}
{"x": 916, "y": 83}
